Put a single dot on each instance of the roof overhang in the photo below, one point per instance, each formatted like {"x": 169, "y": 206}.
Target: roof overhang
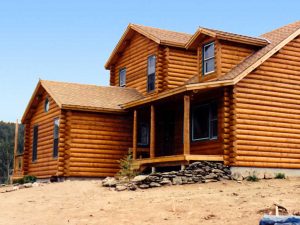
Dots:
{"x": 204, "y": 32}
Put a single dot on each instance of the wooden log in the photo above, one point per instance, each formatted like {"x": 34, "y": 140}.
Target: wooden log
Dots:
{"x": 152, "y": 132}
{"x": 134, "y": 141}
{"x": 186, "y": 125}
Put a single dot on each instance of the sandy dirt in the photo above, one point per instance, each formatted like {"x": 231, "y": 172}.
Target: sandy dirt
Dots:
{"x": 86, "y": 202}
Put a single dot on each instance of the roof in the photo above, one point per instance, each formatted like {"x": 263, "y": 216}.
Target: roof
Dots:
{"x": 160, "y": 36}
{"x": 86, "y": 97}
{"x": 222, "y": 35}
{"x": 278, "y": 38}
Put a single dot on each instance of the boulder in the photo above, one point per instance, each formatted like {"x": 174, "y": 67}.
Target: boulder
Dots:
{"x": 109, "y": 182}
{"x": 177, "y": 180}
{"x": 131, "y": 187}
{"x": 120, "y": 187}
{"x": 211, "y": 176}
{"x": 28, "y": 185}
{"x": 140, "y": 178}
{"x": 154, "y": 184}
{"x": 144, "y": 186}
{"x": 165, "y": 181}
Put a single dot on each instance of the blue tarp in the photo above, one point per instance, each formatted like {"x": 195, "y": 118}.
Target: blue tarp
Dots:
{"x": 280, "y": 220}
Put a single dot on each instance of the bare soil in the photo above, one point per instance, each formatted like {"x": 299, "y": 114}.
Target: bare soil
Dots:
{"x": 86, "y": 202}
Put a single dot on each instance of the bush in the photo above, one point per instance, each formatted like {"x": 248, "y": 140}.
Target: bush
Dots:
{"x": 252, "y": 178}
{"x": 126, "y": 170}
{"x": 25, "y": 179}
{"x": 280, "y": 176}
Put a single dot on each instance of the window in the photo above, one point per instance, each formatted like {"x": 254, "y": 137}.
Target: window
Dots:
{"x": 55, "y": 137}
{"x": 47, "y": 105}
{"x": 151, "y": 73}
{"x": 208, "y": 58}
{"x": 122, "y": 77}
{"x": 35, "y": 142}
{"x": 205, "y": 122}
{"x": 143, "y": 134}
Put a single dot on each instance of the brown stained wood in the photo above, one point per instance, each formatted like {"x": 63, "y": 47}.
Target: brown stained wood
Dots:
{"x": 186, "y": 125}
{"x": 134, "y": 137}
{"x": 152, "y": 132}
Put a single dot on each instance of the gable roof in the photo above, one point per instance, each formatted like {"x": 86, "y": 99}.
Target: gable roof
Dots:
{"x": 222, "y": 35}
{"x": 159, "y": 36}
{"x": 85, "y": 97}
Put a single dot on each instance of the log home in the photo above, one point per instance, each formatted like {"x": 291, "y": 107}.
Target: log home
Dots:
{"x": 174, "y": 98}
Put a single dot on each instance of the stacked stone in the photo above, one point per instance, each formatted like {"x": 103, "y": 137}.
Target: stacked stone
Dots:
{"x": 197, "y": 172}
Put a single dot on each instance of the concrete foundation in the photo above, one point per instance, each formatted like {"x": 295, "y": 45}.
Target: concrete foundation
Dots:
{"x": 265, "y": 172}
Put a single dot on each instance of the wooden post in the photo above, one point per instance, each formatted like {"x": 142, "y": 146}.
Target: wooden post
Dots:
{"x": 15, "y": 146}
{"x": 186, "y": 125}
{"x": 152, "y": 132}
{"x": 134, "y": 140}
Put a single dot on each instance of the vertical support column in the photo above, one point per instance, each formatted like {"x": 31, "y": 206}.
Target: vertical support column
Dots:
{"x": 16, "y": 146}
{"x": 186, "y": 125}
{"x": 134, "y": 140}
{"x": 152, "y": 132}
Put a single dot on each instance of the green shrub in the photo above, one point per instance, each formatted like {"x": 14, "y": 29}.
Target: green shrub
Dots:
{"x": 25, "y": 179}
{"x": 279, "y": 176}
{"x": 252, "y": 178}
{"x": 126, "y": 170}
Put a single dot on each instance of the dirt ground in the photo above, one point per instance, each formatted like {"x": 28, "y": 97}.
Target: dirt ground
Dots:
{"x": 86, "y": 202}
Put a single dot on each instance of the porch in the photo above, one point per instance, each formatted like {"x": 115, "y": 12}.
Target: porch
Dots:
{"x": 164, "y": 133}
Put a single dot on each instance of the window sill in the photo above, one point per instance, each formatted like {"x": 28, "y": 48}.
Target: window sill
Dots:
{"x": 205, "y": 140}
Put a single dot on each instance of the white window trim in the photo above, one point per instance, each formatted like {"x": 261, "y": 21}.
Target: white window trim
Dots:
{"x": 206, "y": 59}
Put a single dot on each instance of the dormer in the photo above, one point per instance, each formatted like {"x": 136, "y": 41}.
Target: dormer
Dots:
{"x": 218, "y": 52}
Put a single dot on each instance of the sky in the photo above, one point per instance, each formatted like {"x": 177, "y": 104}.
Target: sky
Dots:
{"x": 70, "y": 40}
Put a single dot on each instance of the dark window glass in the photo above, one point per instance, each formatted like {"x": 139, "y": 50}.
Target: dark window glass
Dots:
{"x": 151, "y": 73}
{"x": 143, "y": 134}
{"x": 35, "y": 142}
{"x": 47, "y": 105}
{"x": 205, "y": 122}
{"x": 122, "y": 77}
{"x": 209, "y": 58}
{"x": 55, "y": 137}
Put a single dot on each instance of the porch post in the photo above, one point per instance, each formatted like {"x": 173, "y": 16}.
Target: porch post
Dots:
{"x": 134, "y": 138}
{"x": 152, "y": 132}
{"x": 186, "y": 125}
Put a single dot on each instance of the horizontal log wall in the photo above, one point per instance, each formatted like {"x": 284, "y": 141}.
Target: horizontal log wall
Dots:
{"x": 209, "y": 147}
{"x": 268, "y": 112}
{"x": 96, "y": 142}
{"x": 135, "y": 60}
{"x": 232, "y": 54}
{"x": 45, "y": 165}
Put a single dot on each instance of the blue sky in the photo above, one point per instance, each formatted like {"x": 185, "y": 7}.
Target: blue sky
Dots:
{"x": 71, "y": 40}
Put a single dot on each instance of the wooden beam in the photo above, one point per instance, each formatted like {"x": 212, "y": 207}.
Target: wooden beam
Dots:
{"x": 186, "y": 125}
{"x": 16, "y": 144}
{"x": 134, "y": 140}
{"x": 152, "y": 132}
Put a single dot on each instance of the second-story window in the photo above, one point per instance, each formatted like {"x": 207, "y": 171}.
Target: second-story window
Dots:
{"x": 151, "y": 73}
{"x": 208, "y": 58}
{"x": 122, "y": 77}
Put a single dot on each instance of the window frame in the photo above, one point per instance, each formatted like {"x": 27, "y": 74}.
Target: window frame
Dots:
{"x": 210, "y": 120}
{"x": 209, "y": 58}
{"x": 55, "y": 139}
{"x": 120, "y": 83}
{"x": 35, "y": 141}
{"x": 149, "y": 74}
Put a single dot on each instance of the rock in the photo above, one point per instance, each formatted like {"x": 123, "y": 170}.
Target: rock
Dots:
{"x": 35, "y": 184}
{"x": 210, "y": 176}
{"x": 131, "y": 187}
{"x": 177, "y": 180}
{"x": 144, "y": 186}
{"x": 217, "y": 171}
{"x": 269, "y": 175}
{"x": 140, "y": 178}
{"x": 165, "y": 181}
{"x": 28, "y": 185}
{"x": 121, "y": 187}
{"x": 209, "y": 180}
{"x": 154, "y": 184}
{"x": 237, "y": 176}
{"x": 109, "y": 182}
{"x": 15, "y": 188}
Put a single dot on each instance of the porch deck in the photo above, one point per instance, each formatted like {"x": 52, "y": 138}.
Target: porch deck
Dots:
{"x": 174, "y": 160}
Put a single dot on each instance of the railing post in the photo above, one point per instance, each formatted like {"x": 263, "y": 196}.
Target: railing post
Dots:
{"x": 186, "y": 125}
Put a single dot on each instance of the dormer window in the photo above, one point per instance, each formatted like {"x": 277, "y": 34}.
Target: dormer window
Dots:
{"x": 208, "y": 58}
{"x": 46, "y": 105}
{"x": 151, "y": 73}
{"x": 122, "y": 77}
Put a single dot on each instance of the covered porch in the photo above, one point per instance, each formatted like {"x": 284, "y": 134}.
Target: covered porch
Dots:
{"x": 169, "y": 133}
